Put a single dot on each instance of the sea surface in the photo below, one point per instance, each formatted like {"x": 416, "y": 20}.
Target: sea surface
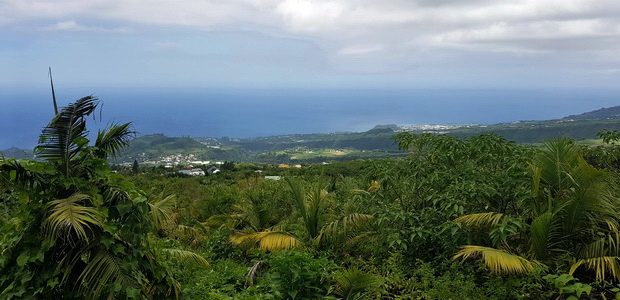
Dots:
{"x": 254, "y": 112}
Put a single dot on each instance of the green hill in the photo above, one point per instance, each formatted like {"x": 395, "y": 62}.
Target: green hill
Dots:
{"x": 16, "y": 153}
{"x": 599, "y": 114}
{"x": 156, "y": 145}
{"x": 538, "y": 131}
{"x": 376, "y": 142}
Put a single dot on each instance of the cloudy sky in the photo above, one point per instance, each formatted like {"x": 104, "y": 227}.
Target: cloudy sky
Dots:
{"x": 312, "y": 43}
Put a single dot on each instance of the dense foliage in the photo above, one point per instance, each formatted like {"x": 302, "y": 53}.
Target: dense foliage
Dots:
{"x": 476, "y": 218}
{"x": 541, "y": 219}
{"x": 71, "y": 228}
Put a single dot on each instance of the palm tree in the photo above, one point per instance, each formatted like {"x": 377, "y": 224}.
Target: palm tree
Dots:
{"x": 64, "y": 141}
{"x": 573, "y": 213}
{"x": 90, "y": 227}
{"x": 311, "y": 209}
{"x": 255, "y": 225}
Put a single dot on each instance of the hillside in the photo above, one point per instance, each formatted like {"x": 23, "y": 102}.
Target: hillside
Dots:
{"x": 16, "y": 153}
{"x": 377, "y": 142}
{"x": 538, "y": 131}
{"x": 150, "y": 146}
{"x": 275, "y": 149}
{"x": 599, "y": 114}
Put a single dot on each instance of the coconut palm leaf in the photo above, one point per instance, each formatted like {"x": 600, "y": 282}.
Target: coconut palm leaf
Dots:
{"x": 24, "y": 174}
{"x": 250, "y": 215}
{"x": 544, "y": 234}
{"x": 310, "y": 206}
{"x": 102, "y": 271}
{"x": 365, "y": 240}
{"x": 113, "y": 195}
{"x": 556, "y": 162}
{"x": 497, "y": 260}
{"x": 591, "y": 200}
{"x": 354, "y": 284}
{"x": 344, "y": 226}
{"x": 187, "y": 233}
{"x": 185, "y": 255}
{"x": 314, "y": 211}
{"x": 70, "y": 216}
{"x": 480, "y": 219}
{"x": 297, "y": 192}
{"x": 161, "y": 211}
{"x": 267, "y": 240}
{"x": 64, "y": 138}
{"x": 276, "y": 240}
{"x": 222, "y": 220}
{"x": 600, "y": 265}
{"x": 110, "y": 141}
{"x": 601, "y": 256}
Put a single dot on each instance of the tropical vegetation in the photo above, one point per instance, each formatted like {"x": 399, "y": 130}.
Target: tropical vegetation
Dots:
{"x": 457, "y": 218}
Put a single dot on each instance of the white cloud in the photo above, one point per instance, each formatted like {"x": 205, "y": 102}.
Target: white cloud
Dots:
{"x": 344, "y": 19}
{"x": 71, "y": 25}
{"x": 308, "y": 15}
{"x": 359, "y": 27}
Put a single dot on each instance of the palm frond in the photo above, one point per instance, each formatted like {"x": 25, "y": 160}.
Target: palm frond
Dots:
{"x": 365, "y": 239}
{"x": 298, "y": 195}
{"x": 266, "y": 240}
{"x": 480, "y": 219}
{"x": 277, "y": 240}
{"x": 601, "y": 256}
{"x": 113, "y": 195}
{"x": 591, "y": 199}
{"x": 161, "y": 211}
{"x": 314, "y": 211}
{"x": 24, "y": 174}
{"x": 497, "y": 260}
{"x": 64, "y": 138}
{"x": 541, "y": 234}
{"x": 310, "y": 206}
{"x": 69, "y": 215}
{"x": 188, "y": 233}
{"x": 110, "y": 141}
{"x": 600, "y": 265}
{"x": 556, "y": 162}
{"x": 353, "y": 283}
{"x": 343, "y": 226}
{"x": 221, "y": 220}
{"x": 102, "y": 271}
{"x": 185, "y": 255}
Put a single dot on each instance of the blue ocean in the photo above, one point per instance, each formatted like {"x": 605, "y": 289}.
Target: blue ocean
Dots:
{"x": 256, "y": 112}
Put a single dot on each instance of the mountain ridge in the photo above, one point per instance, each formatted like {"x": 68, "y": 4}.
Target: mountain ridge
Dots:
{"x": 601, "y": 113}
{"x": 378, "y": 141}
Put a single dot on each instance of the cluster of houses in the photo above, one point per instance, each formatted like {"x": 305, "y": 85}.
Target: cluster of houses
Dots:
{"x": 287, "y": 166}
{"x": 199, "y": 172}
{"x": 189, "y": 165}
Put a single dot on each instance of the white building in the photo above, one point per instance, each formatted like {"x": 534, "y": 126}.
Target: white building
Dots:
{"x": 213, "y": 170}
{"x": 192, "y": 172}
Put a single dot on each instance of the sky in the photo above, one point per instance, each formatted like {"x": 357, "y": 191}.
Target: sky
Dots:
{"x": 388, "y": 44}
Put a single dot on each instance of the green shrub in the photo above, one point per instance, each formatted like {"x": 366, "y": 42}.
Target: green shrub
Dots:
{"x": 298, "y": 275}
